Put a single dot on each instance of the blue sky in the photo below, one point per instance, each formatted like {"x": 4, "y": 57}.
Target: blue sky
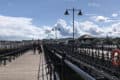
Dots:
{"x": 46, "y": 12}
{"x": 102, "y": 13}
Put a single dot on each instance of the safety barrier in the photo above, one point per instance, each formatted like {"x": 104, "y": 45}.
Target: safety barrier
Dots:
{"x": 96, "y": 60}
{"x": 13, "y": 54}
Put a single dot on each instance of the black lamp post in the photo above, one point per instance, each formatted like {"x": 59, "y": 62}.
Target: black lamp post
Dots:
{"x": 56, "y": 29}
{"x": 73, "y": 11}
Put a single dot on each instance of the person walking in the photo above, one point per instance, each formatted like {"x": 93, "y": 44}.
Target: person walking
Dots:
{"x": 34, "y": 48}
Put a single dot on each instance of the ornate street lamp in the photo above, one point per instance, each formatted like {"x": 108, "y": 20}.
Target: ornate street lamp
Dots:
{"x": 73, "y": 12}
{"x": 56, "y": 29}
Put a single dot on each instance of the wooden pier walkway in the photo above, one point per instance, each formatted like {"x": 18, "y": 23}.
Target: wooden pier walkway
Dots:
{"x": 26, "y": 67}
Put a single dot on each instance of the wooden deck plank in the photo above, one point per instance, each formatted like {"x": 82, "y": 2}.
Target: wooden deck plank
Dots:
{"x": 23, "y": 68}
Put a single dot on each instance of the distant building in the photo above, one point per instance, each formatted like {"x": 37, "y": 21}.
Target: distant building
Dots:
{"x": 86, "y": 39}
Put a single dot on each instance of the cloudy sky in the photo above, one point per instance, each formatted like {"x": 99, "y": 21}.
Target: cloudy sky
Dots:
{"x": 34, "y": 19}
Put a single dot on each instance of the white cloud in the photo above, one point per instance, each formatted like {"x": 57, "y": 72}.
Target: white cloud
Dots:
{"x": 100, "y": 18}
{"x": 115, "y": 15}
{"x": 91, "y": 28}
{"x": 103, "y": 19}
{"x": 115, "y": 29}
{"x": 18, "y": 28}
{"x": 65, "y": 30}
{"x": 81, "y": 28}
{"x": 88, "y": 27}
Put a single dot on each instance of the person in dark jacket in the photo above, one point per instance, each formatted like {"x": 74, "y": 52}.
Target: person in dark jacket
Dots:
{"x": 34, "y": 48}
{"x": 39, "y": 49}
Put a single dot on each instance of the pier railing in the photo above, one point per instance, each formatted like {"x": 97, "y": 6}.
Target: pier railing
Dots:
{"x": 12, "y": 53}
{"x": 100, "y": 61}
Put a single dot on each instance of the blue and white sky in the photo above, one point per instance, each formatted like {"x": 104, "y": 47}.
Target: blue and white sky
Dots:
{"x": 28, "y": 19}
